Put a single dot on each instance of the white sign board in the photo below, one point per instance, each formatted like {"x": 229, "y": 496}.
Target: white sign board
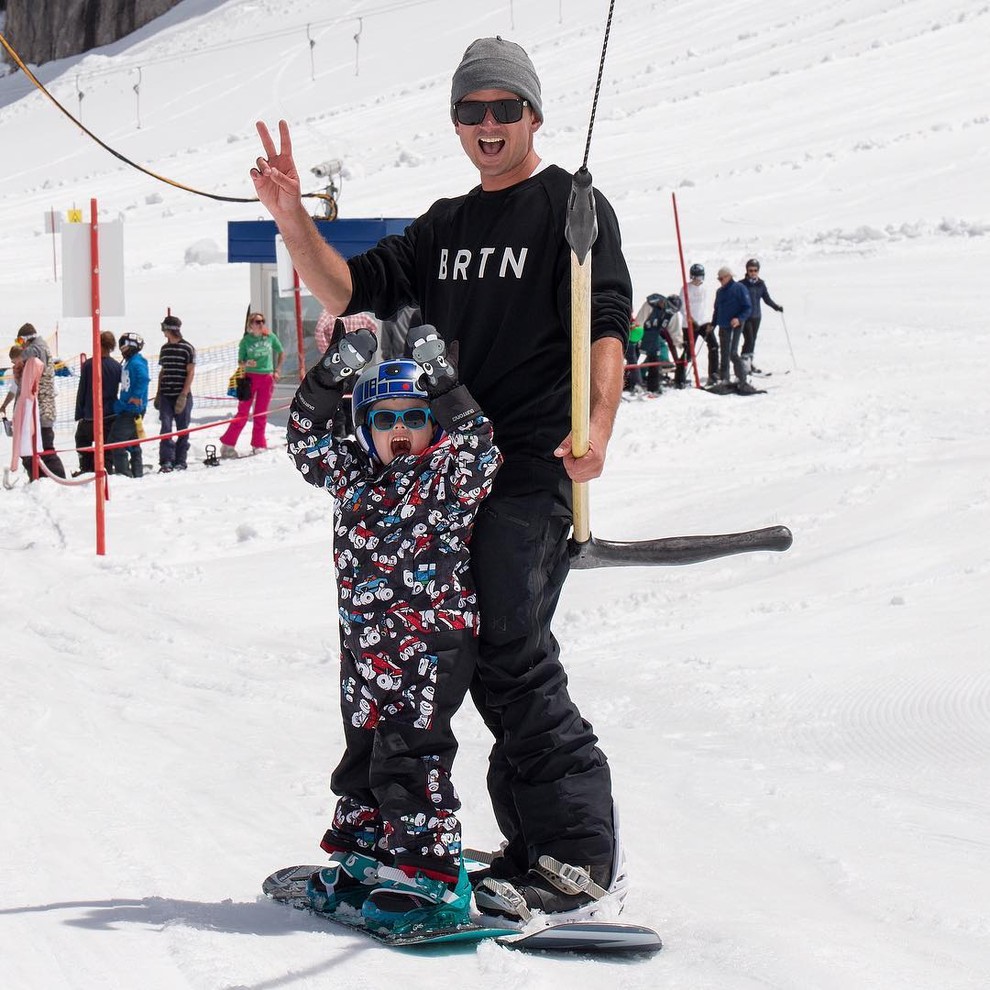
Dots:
{"x": 77, "y": 270}
{"x": 53, "y": 222}
{"x": 283, "y": 263}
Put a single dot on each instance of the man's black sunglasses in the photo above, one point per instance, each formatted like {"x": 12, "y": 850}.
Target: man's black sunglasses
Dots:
{"x": 472, "y": 112}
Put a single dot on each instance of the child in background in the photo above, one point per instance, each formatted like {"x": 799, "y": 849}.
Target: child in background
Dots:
{"x": 407, "y": 488}
{"x": 16, "y": 364}
{"x": 129, "y": 408}
{"x": 13, "y": 381}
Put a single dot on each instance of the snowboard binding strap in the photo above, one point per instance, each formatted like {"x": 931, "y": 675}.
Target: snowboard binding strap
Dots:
{"x": 569, "y": 879}
{"x": 513, "y": 900}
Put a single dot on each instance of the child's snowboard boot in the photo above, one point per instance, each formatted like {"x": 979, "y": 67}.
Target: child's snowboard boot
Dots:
{"x": 403, "y": 903}
{"x": 347, "y": 880}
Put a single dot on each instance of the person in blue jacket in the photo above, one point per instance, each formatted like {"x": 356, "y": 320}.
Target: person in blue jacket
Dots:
{"x": 129, "y": 408}
{"x": 732, "y": 309}
{"x": 758, "y": 293}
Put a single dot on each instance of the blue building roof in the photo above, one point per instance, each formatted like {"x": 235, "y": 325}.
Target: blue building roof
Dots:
{"x": 254, "y": 240}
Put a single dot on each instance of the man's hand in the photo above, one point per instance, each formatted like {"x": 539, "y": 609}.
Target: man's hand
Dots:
{"x": 584, "y": 468}
{"x": 275, "y": 177}
{"x": 180, "y": 402}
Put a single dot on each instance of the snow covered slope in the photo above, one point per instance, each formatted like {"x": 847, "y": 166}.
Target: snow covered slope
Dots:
{"x": 798, "y": 741}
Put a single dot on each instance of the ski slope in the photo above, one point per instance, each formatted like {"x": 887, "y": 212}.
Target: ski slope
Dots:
{"x": 798, "y": 741}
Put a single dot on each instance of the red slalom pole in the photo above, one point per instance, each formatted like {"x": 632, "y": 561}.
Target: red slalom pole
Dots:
{"x": 99, "y": 462}
{"x": 687, "y": 305}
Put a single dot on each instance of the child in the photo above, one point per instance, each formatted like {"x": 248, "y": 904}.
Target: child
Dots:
{"x": 407, "y": 489}
{"x": 129, "y": 408}
{"x": 16, "y": 363}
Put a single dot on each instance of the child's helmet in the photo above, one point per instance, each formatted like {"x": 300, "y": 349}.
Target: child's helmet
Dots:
{"x": 133, "y": 340}
{"x": 673, "y": 303}
{"x": 387, "y": 380}
{"x": 697, "y": 271}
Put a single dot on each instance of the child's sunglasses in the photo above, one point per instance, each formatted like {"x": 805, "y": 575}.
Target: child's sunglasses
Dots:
{"x": 411, "y": 419}
{"x": 472, "y": 112}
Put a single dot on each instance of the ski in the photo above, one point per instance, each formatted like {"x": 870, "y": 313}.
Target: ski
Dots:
{"x": 288, "y": 886}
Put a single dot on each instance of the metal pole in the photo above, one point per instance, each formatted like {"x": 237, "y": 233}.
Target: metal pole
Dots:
{"x": 687, "y": 305}
{"x": 300, "y": 344}
{"x": 54, "y": 256}
{"x": 788, "y": 336}
{"x": 99, "y": 463}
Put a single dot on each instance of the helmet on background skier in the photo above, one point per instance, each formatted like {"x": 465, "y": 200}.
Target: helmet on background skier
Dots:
{"x": 697, "y": 271}
{"x": 388, "y": 380}
{"x": 132, "y": 340}
{"x": 673, "y": 303}
{"x": 753, "y": 263}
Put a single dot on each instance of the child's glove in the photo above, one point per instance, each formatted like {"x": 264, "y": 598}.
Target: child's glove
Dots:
{"x": 430, "y": 352}
{"x": 347, "y": 354}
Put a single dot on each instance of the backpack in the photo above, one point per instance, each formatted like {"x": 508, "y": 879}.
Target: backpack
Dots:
{"x": 660, "y": 317}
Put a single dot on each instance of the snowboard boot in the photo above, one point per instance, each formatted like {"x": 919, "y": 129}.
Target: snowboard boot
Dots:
{"x": 347, "y": 880}
{"x": 499, "y": 865}
{"x": 405, "y": 902}
{"x": 567, "y": 893}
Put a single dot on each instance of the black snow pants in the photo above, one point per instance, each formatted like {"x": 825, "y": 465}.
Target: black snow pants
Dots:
{"x": 750, "y": 329}
{"x": 549, "y": 783}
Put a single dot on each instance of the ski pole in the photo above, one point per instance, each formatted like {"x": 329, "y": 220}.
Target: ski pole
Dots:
{"x": 788, "y": 336}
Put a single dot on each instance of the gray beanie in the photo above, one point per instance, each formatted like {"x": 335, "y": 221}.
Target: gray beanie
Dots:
{"x": 493, "y": 63}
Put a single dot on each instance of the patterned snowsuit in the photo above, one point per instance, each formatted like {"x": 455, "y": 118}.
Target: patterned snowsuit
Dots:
{"x": 408, "y": 623}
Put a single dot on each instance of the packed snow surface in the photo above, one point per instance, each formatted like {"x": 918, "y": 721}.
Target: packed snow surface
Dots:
{"x": 798, "y": 741}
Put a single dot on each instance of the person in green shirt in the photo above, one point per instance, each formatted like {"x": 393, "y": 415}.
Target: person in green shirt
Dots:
{"x": 259, "y": 356}
{"x": 633, "y": 377}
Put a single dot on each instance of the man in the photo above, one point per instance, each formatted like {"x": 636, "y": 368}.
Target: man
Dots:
{"x": 173, "y": 398}
{"x": 697, "y": 298}
{"x": 758, "y": 293}
{"x": 490, "y": 270}
{"x": 35, "y": 346}
{"x": 732, "y": 309}
{"x": 84, "y": 400}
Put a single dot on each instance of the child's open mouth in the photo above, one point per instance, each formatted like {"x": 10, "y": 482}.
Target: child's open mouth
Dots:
{"x": 400, "y": 446}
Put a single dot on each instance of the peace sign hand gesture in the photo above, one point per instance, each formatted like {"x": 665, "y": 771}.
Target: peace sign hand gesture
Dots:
{"x": 275, "y": 178}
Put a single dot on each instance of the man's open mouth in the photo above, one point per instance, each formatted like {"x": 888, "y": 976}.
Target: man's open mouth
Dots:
{"x": 491, "y": 146}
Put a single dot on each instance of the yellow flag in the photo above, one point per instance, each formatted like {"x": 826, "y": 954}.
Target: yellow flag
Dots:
{"x": 75, "y": 216}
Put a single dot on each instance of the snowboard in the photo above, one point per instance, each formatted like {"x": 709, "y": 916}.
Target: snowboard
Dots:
{"x": 288, "y": 886}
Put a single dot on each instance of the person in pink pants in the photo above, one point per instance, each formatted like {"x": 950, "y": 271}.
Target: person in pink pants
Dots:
{"x": 259, "y": 356}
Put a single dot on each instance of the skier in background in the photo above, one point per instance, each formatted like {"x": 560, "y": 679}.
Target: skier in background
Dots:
{"x": 406, "y": 489}
{"x": 757, "y": 293}
{"x": 732, "y": 309}
{"x": 697, "y": 297}
{"x": 508, "y": 310}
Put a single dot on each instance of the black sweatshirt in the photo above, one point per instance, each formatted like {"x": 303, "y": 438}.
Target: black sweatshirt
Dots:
{"x": 491, "y": 270}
